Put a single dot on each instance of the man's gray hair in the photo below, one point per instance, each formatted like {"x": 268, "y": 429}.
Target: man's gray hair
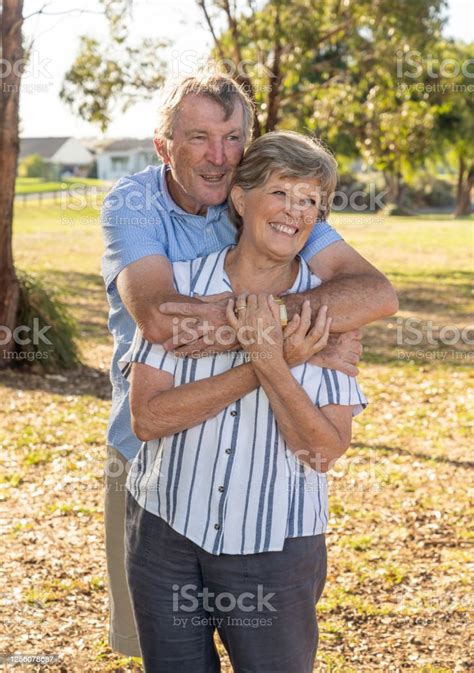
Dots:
{"x": 292, "y": 155}
{"x": 218, "y": 87}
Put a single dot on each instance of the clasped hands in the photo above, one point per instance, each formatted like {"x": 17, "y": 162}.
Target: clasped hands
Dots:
{"x": 213, "y": 325}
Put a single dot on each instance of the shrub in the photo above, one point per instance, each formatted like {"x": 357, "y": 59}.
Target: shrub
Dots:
{"x": 51, "y": 338}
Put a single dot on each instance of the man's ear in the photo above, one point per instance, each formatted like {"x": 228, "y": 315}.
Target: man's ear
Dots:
{"x": 237, "y": 196}
{"x": 161, "y": 147}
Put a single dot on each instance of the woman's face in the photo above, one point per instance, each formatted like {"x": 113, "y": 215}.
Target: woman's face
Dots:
{"x": 279, "y": 215}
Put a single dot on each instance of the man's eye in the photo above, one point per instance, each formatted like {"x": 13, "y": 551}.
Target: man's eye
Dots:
{"x": 198, "y": 137}
{"x": 279, "y": 192}
{"x": 310, "y": 202}
{"x": 233, "y": 137}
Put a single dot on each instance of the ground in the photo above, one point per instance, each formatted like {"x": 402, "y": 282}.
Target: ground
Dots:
{"x": 398, "y": 596}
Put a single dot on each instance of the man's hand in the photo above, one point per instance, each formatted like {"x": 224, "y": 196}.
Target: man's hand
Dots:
{"x": 303, "y": 341}
{"x": 342, "y": 352}
{"x": 193, "y": 321}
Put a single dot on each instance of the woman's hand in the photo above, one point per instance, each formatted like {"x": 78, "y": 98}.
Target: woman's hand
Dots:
{"x": 301, "y": 340}
{"x": 256, "y": 321}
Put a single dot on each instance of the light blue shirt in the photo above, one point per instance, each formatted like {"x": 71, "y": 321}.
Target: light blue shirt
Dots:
{"x": 231, "y": 484}
{"x": 139, "y": 218}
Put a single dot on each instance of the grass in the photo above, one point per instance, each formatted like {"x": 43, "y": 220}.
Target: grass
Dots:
{"x": 37, "y": 185}
{"x": 398, "y": 540}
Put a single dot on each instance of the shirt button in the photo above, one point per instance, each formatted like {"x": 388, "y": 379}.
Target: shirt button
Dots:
{"x": 221, "y": 489}
{"x": 233, "y": 413}
{"x": 228, "y": 450}
{"x": 217, "y": 526}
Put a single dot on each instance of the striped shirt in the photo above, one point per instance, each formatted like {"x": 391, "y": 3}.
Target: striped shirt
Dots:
{"x": 139, "y": 218}
{"x": 231, "y": 484}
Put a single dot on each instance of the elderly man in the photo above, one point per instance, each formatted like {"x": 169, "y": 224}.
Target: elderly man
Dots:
{"x": 178, "y": 212}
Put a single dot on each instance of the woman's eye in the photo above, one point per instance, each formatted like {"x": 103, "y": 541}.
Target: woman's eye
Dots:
{"x": 279, "y": 192}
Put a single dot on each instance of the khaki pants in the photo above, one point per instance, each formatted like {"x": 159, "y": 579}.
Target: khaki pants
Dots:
{"x": 123, "y": 636}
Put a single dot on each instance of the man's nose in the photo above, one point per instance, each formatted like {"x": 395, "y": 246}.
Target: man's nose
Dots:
{"x": 216, "y": 153}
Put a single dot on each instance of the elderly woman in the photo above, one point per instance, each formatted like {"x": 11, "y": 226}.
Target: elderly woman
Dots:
{"x": 227, "y": 504}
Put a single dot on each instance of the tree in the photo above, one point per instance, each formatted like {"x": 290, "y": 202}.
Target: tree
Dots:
{"x": 111, "y": 76}
{"x": 330, "y": 67}
{"x": 12, "y": 56}
{"x": 454, "y": 127}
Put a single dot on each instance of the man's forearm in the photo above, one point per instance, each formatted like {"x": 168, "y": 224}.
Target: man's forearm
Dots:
{"x": 352, "y": 300}
{"x": 158, "y": 327}
{"x": 190, "y": 404}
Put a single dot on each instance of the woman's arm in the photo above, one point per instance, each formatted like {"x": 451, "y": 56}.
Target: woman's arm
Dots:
{"x": 318, "y": 436}
{"x": 159, "y": 409}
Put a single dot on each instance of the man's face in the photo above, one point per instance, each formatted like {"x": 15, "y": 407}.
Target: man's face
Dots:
{"x": 203, "y": 154}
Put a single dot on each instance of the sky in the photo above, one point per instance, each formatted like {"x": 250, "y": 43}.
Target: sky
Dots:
{"x": 56, "y": 35}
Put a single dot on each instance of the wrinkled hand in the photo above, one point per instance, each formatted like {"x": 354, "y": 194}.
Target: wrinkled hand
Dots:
{"x": 256, "y": 321}
{"x": 342, "y": 352}
{"x": 197, "y": 321}
{"x": 301, "y": 339}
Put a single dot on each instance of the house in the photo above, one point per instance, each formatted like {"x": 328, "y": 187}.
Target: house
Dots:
{"x": 117, "y": 158}
{"x": 64, "y": 157}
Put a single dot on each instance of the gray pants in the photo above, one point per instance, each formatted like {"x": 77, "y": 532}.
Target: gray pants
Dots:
{"x": 123, "y": 636}
{"x": 263, "y": 605}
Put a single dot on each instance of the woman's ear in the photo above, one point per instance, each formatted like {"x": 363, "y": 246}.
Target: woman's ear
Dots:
{"x": 237, "y": 196}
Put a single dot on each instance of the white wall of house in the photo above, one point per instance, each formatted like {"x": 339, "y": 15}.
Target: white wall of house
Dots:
{"x": 114, "y": 165}
{"x": 72, "y": 152}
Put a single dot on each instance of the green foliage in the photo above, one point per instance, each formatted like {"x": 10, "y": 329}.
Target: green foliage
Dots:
{"x": 32, "y": 167}
{"x": 104, "y": 78}
{"x": 334, "y": 69}
{"x": 52, "y": 332}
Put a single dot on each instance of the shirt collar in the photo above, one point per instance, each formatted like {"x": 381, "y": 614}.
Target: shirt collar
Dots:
{"x": 171, "y": 206}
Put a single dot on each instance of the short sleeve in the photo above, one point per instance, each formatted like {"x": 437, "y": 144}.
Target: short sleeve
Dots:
{"x": 147, "y": 353}
{"x": 338, "y": 388}
{"x": 320, "y": 237}
{"x": 131, "y": 229}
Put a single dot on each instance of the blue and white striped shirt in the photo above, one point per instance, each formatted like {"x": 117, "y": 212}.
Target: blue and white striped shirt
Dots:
{"x": 231, "y": 484}
{"x": 139, "y": 218}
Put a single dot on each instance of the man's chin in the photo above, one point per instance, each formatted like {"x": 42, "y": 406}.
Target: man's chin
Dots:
{"x": 213, "y": 196}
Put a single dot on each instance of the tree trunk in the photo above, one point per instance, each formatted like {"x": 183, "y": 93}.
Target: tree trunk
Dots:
{"x": 464, "y": 189}
{"x": 12, "y": 55}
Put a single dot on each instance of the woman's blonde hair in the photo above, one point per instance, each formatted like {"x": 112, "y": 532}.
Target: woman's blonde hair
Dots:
{"x": 292, "y": 155}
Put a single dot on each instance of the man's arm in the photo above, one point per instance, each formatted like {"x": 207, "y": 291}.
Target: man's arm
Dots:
{"x": 355, "y": 292}
{"x": 143, "y": 286}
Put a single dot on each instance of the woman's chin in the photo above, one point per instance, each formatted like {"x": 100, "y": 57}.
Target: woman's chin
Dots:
{"x": 284, "y": 247}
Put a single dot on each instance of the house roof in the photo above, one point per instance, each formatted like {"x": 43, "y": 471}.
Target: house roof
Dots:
{"x": 45, "y": 147}
{"x": 124, "y": 144}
